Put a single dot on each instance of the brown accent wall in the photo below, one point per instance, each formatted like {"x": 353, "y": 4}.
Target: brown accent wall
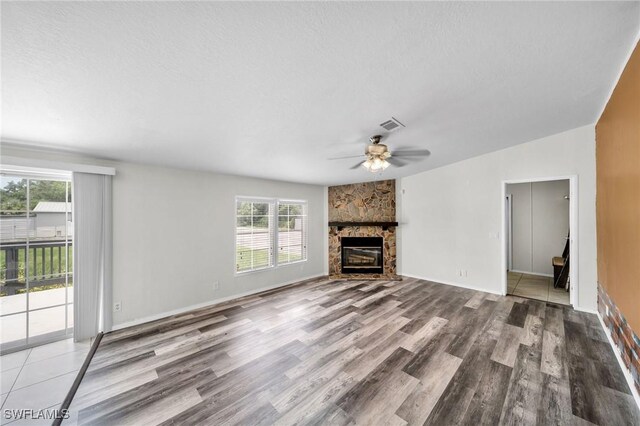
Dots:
{"x": 618, "y": 194}
{"x": 618, "y": 214}
{"x": 363, "y": 202}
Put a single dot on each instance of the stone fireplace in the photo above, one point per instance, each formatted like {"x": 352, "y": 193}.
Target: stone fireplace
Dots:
{"x": 362, "y": 230}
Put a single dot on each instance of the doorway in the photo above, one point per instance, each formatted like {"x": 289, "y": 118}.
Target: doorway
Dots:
{"x": 36, "y": 260}
{"x": 538, "y": 245}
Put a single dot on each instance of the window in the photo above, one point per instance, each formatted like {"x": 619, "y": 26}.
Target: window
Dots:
{"x": 256, "y": 233}
{"x": 292, "y": 231}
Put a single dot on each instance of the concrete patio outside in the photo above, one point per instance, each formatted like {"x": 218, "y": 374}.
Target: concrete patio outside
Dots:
{"x": 41, "y": 322}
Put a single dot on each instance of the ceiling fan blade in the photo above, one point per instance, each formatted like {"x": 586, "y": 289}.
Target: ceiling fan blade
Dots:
{"x": 412, "y": 153}
{"x": 344, "y": 158}
{"x": 395, "y": 162}
{"x": 355, "y": 166}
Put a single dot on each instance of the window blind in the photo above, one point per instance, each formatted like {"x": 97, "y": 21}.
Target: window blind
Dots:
{"x": 254, "y": 234}
{"x": 292, "y": 232}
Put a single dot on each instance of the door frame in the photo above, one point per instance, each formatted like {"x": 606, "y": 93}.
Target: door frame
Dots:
{"x": 509, "y": 230}
{"x": 573, "y": 230}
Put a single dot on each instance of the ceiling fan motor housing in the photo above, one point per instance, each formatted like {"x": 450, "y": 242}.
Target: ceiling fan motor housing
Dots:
{"x": 378, "y": 150}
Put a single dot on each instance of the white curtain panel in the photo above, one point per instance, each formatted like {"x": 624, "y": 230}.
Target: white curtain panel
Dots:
{"x": 92, "y": 254}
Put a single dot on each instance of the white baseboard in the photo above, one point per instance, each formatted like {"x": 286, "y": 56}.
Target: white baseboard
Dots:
{"x": 625, "y": 370}
{"x": 531, "y": 273}
{"x": 453, "y": 284}
{"x": 208, "y": 303}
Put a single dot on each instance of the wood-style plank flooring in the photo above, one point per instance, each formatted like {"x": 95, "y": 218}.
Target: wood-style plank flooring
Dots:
{"x": 360, "y": 352}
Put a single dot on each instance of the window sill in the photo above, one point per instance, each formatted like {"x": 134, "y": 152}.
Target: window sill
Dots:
{"x": 269, "y": 268}
{"x": 253, "y": 271}
{"x": 291, "y": 263}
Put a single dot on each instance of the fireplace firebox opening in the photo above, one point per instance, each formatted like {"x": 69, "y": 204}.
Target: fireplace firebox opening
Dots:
{"x": 362, "y": 255}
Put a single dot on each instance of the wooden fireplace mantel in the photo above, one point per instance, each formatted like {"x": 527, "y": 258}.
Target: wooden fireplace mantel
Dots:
{"x": 383, "y": 225}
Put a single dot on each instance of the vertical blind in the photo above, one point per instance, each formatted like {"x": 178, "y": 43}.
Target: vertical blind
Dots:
{"x": 92, "y": 254}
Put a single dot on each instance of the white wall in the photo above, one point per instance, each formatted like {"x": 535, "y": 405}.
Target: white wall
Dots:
{"x": 520, "y": 226}
{"x": 174, "y": 234}
{"x": 174, "y": 231}
{"x": 540, "y": 222}
{"x": 451, "y": 217}
{"x": 550, "y": 217}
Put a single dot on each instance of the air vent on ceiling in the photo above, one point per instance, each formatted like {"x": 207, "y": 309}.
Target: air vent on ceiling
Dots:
{"x": 391, "y": 125}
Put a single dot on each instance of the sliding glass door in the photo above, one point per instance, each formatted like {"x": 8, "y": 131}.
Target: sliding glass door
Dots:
{"x": 36, "y": 279}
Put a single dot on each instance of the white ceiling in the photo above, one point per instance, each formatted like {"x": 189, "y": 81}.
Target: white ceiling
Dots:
{"x": 274, "y": 89}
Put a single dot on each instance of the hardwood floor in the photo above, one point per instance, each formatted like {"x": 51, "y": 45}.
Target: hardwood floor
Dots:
{"x": 356, "y": 352}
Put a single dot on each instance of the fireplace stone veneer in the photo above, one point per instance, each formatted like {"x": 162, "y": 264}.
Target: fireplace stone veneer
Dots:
{"x": 369, "y": 202}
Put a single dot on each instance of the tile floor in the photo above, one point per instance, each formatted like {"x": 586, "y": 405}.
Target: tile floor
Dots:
{"x": 536, "y": 287}
{"x": 39, "y": 378}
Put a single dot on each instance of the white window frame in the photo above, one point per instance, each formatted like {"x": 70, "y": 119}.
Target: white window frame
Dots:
{"x": 305, "y": 220}
{"x": 275, "y": 202}
{"x": 274, "y": 205}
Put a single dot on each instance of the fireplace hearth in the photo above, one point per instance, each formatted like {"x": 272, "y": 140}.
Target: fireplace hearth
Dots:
{"x": 362, "y": 255}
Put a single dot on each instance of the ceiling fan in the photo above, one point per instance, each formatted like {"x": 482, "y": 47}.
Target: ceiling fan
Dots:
{"x": 378, "y": 157}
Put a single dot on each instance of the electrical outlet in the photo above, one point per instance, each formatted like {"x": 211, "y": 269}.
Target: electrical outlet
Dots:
{"x": 117, "y": 306}
{"x": 464, "y": 272}
{"x": 216, "y": 285}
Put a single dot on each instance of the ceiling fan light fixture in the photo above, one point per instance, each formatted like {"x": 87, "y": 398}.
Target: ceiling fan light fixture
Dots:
{"x": 375, "y": 164}
{"x": 377, "y": 154}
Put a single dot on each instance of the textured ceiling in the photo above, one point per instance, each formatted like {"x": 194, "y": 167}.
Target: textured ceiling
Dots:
{"x": 274, "y": 89}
